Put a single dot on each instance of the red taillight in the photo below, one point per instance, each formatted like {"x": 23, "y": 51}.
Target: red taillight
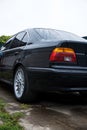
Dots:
{"x": 63, "y": 55}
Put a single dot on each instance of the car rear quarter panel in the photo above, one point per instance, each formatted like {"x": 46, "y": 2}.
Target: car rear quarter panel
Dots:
{"x": 37, "y": 55}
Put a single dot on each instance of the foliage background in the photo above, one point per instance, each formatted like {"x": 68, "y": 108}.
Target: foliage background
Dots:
{"x": 3, "y": 39}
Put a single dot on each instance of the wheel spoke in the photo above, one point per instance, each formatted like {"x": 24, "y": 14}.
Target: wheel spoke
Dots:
{"x": 19, "y": 83}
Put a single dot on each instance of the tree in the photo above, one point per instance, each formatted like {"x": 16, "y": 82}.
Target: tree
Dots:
{"x": 3, "y": 39}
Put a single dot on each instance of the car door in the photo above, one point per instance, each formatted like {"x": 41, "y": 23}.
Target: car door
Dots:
{"x": 11, "y": 55}
{"x": 2, "y": 56}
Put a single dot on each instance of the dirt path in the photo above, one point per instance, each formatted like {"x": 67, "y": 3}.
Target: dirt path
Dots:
{"x": 55, "y": 112}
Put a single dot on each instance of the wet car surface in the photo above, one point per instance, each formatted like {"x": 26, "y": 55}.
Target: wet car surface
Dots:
{"x": 54, "y": 112}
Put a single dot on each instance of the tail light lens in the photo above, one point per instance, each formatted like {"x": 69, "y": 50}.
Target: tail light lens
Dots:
{"x": 63, "y": 55}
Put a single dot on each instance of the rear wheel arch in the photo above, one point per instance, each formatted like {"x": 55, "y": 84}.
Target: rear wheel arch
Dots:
{"x": 15, "y": 68}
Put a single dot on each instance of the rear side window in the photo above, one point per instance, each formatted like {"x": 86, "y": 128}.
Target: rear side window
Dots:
{"x": 20, "y": 36}
{"x": 18, "y": 40}
{"x": 25, "y": 39}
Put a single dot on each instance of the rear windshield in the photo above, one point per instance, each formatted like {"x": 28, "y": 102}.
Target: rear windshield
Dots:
{"x": 51, "y": 34}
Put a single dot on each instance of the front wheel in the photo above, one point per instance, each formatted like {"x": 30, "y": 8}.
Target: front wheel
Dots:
{"x": 22, "y": 88}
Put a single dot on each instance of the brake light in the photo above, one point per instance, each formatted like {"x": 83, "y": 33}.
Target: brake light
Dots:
{"x": 63, "y": 55}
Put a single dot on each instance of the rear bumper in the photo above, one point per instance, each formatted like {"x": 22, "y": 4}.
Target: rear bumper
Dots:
{"x": 59, "y": 78}
{"x": 68, "y": 70}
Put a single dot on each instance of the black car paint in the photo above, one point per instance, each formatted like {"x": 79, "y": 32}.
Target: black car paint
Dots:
{"x": 46, "y": 75}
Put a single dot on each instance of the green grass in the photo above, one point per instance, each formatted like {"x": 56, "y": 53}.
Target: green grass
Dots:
{"x": 10, "y": 121}
{"x": 9, "y": 126}
{"x": 2, "y": 105}
{"x": 24, "y": 106}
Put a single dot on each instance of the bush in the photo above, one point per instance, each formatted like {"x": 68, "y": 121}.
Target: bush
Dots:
{"x": 3, "y": 39}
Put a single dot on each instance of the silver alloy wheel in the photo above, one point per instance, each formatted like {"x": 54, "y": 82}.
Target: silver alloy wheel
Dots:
{"x": 19, "y": 83}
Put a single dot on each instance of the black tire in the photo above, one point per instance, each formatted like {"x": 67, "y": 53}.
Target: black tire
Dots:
{"x": 27, "y": 95}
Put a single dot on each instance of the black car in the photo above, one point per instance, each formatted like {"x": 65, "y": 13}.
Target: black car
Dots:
{"x": 44, "y": 60}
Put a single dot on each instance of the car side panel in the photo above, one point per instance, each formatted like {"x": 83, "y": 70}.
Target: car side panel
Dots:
{"x": 37, "y": 55}
{"x": 9, "y": 58}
